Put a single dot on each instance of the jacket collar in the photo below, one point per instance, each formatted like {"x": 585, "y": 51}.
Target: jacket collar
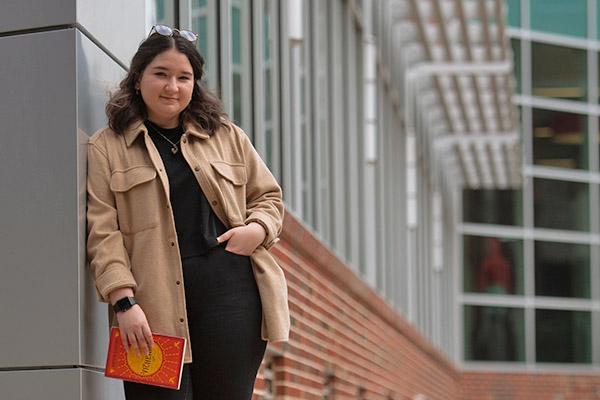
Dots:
{"x": 138, "y": 127}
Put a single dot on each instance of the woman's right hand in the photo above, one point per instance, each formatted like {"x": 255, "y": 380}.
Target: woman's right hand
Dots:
{"x": 134, "y": 327}
{"x": 135, "y": 331}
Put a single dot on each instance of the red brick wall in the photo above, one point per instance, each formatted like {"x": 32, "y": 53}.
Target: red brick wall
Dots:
{"x": 343, "y": 333}
{"x": 504, "y": 386}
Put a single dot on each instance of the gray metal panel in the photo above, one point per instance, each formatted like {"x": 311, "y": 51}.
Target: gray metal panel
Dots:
{"x": 97, "y": 74}
{"x": 119, "y": 25}
{"x": 28, "y": 14}
{"x": 51, "y": 384}
{"x": 94, "y": 386}
{"x": 38, "y": 239}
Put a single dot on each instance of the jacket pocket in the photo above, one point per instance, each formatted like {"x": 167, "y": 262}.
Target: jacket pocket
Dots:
{"x": 231, "y": 181}
{"x": 137, "y": 197}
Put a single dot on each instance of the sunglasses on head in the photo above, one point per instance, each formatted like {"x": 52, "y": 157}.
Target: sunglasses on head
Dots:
{"x": 165, "y": 30}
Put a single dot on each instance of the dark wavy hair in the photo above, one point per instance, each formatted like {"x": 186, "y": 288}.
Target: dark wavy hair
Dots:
{"x": 125, "y": 105}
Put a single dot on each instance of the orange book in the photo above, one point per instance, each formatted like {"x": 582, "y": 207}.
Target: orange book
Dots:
{"x": 162, "y": 367}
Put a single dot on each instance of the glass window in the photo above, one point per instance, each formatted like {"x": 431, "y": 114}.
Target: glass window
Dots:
{"x": 162, "y": 12}
{"x": 562, "y": 336}
{"x": 240, "y": 64}
{"x": 516, "y": 49}
{"x": 560, "y": 16}
{"x": 560, "y": 139}
{"x": 562, "y": 269}
{"x": 200, "y": 27}
{"x": 558, "y": 72}
{"x": 514, "y": 12}
{"x": 502, "y": 207}
{"x": 493, "y": 265}
{"x": 494, "y": 333}
{"x": 561, "y": 204}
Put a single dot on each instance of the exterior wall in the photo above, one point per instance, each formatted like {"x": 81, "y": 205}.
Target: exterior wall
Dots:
{"x": 60, "y": 59}
{"x": 500, "y": 386}
{"x": 346, "y": 342}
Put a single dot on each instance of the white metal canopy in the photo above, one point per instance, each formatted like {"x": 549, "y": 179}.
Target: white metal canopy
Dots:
{"x": 458, "y": 85}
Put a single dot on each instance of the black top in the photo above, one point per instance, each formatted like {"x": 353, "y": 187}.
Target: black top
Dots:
{"x": 196, "y": 224}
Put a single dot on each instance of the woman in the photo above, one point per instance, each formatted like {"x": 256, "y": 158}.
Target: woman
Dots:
{"x": 181, "y": 212}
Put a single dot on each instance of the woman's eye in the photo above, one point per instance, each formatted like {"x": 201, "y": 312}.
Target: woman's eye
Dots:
{"x": 160, "y": 74}
{"x": 184, "y": 78}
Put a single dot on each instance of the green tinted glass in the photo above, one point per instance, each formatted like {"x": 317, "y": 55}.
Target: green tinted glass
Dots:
{"x": 563, "y": 336}
{"x": 500, "y": 207}
{"x": 561, "y": 204}
{"x": 514, "y": 12}
{"x": 236, "y": 39}
{"x": 562, "y": 269}
{"x": 494, "y": 333}
{"x": 564, "y": 17}
{"x": 559, "y": 139}
{"x": 492, "y": 265}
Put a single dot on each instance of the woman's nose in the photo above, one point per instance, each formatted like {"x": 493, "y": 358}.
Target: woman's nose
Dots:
{"x": 171, "y": 84}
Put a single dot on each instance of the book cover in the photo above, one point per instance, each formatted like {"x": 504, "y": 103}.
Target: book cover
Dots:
{"x": 162, "y": 367}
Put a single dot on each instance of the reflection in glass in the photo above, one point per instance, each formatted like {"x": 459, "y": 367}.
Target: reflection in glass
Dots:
{"x": 561, "y": 204}
{"x": 494, "y": 333}
{"x": 559, "y": 16}
{"x": 492, "y": 265}
{"x": 514, "y": 12}
{"x": 516, "y": 49}
{"x": 200, "y": 27}
{"x": 562, "y": 269}
{"x": 562, "y": 336}
{"x": 162, "y": 12}
{"x": 268, "y": 84}
{"x": 501, "y": 207}
{"x": 558, "y": 72}
{"x": 560, "y": 139}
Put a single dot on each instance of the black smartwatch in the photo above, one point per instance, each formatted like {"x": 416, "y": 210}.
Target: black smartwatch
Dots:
{"x": 124, "y": 304}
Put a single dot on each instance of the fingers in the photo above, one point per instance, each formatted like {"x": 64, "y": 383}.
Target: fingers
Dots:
{"x": 134, "y": 343}
{"x": 226, "y": 236}
{"x": 148, "y": 340}
{"x": 124, "y": 340}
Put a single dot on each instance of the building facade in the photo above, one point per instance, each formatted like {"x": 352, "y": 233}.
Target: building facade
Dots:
{"x": 530, "y": 285}
{"x": 419, "y": 249}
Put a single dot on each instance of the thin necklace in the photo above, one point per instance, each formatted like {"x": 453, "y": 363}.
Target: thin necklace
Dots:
{"x": 175, "y": 147}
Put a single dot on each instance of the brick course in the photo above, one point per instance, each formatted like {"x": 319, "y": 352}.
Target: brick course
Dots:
{"x": 346, "y": 341}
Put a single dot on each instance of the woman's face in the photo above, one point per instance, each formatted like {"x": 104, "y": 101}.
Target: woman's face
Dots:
{"x": 166, "y": 87}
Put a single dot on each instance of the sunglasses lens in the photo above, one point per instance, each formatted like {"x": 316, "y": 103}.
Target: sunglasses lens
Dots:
{"x": 191, "y": 36}
{"x": 163, "y": 30}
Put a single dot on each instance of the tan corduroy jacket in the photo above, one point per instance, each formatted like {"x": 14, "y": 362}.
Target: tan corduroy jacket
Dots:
{"x": 131, "y": 231}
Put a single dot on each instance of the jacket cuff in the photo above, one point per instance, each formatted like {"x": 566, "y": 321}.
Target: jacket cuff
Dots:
{"x": 111, "y": 280}
{"x": 271, "y": 233}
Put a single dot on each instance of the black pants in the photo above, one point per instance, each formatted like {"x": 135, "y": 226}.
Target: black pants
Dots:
{"x": 224, "y": 315}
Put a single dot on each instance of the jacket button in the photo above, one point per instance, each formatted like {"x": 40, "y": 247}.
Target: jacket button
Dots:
{"x": 181, "y": 319}
{"x": 178, "y": 282}
{"x": 196, "y": 168}
{"x": 184, "y": 140}
{"x": 214, "y": 203}
{"x": 172, "y": 243}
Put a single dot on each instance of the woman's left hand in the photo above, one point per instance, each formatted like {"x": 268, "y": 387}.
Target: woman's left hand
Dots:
{"x": 243, "y": 240}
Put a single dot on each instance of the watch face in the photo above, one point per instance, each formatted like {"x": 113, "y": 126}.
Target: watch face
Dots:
{"x": 124, "y": 304}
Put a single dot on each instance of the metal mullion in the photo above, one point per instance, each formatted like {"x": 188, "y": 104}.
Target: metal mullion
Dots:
{"x": 285, "y": 109}
{"x": 276, "y": 104}
{"x": 338, "y": 203}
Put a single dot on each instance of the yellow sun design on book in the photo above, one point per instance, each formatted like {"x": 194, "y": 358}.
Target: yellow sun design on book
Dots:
{"x": 146, "y": 365}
